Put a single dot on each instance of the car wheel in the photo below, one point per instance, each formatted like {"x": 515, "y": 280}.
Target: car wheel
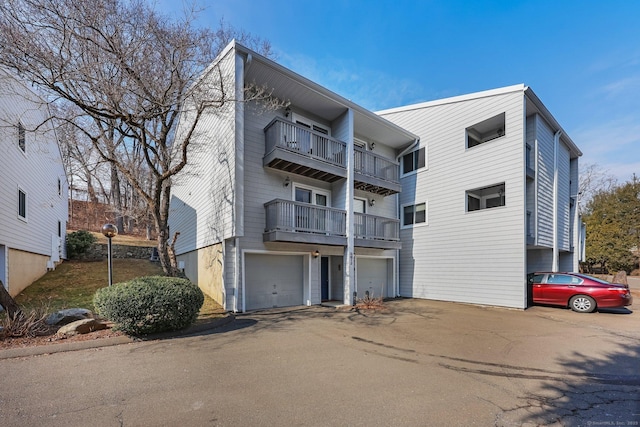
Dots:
{"x": 582, "y": 304}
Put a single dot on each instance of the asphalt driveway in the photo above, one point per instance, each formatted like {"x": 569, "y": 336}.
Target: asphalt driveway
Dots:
{"x": 419, "y": 363}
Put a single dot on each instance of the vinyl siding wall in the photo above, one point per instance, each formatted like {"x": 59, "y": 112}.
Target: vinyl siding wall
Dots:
{"x": 464, "y": 256}
{"x": 36, "y": 172}
{"x": 204, "y": 193}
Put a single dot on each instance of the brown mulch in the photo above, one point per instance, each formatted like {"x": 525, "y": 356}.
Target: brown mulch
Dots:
{"x": 52, "y": 338}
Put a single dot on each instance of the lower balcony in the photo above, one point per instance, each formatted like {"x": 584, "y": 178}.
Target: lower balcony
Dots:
{"x": 297, "y": 222}
{"x": 289, "y": 221}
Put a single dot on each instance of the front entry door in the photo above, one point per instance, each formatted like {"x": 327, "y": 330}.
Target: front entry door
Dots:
{"x": 324, "y": 278}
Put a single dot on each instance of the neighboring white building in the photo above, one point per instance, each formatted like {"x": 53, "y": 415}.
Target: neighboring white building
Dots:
{"x": 495, "y": 179}
{"x": 292, "y": 206}
{"x": 33, "y": 188}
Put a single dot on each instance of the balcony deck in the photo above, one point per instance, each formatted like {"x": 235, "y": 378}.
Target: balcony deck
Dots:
{"x": 296, "y": 149}
{"x": 289, "y": 221}
{"x": 299, "y": 150}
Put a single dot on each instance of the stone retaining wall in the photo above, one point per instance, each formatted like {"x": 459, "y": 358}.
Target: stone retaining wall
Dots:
{"x": 99, "y": 251}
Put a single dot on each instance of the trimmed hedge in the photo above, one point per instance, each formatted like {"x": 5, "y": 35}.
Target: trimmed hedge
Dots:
{"x": 150, "y": 304}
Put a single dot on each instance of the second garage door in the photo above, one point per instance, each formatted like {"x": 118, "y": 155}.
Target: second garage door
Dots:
{"x": 373, "y": 276}
{"x": 273, "y": 281}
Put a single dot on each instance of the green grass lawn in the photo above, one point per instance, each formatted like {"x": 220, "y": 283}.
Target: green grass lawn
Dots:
{"x": 73, "y": 283}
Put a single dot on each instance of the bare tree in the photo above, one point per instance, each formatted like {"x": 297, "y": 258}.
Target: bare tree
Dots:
{"x": 593, "y": 180}
{"x": 130, "y": 72}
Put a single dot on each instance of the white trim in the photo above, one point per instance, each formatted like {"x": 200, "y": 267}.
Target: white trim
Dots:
{"x": 454, "y": 99}
{"x": 304, "y": 120}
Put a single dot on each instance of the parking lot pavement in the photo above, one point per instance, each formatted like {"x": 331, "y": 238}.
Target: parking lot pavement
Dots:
{"x": 417, "y": 363}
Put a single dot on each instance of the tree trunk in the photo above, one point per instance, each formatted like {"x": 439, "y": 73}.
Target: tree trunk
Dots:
{"x": 8, "y": 303}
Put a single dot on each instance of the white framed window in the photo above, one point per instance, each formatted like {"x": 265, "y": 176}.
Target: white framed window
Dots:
{"x": 310, "y": 124}
{"x": 413, "y": 215}
{"x": 22, "y": 138}
{"x": 359, "y": 205}
{"x": 485, "y": 131}
{"x": 414, "y": 160}
{"x": 314, "y": 196}
{"x": 486, "y": 197}
{"x": 22, "y": 204}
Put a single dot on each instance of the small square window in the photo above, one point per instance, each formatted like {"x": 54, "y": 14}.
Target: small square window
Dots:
{"x": 414, "y": 214}
{"x": 414, "y": 160}
{"x": 22, "y": 204}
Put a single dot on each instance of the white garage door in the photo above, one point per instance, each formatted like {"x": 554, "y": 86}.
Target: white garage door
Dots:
{"x": 273, "y": 280}
{"x": 373, "y": 276}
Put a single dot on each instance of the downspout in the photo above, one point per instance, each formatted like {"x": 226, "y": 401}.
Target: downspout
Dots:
{"x": 236, "y": 268}
{"x": 413, "y": 145}
{"x": 556, "y": 147}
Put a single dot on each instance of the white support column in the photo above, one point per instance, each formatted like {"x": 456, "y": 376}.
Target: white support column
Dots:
{"x": 349, "y": 252}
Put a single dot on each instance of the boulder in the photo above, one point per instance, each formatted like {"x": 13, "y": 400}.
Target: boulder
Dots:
{"x": 69, "y": 315}
{"x": 620, "y": 278}
{"x": 81, "y": 327}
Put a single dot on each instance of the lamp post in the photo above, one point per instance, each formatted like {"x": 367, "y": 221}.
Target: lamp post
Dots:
{"x": 109, "y": 230}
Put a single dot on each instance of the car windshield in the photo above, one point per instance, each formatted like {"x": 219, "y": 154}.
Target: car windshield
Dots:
{"x": 595, "y": 279}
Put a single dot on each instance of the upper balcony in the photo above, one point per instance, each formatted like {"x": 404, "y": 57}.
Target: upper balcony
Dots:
{"x": 294, "y": 148}
{"x": 297, "y": 149}
{"x": 376, "y": 174}
{"x": 289, "y": 221}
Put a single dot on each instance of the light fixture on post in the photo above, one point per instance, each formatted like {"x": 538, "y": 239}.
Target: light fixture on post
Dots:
{"x": 286, "y": 182}
{"x": 315, "y": 253}
{"x": 372, "y": 202}
{"x": 109, "y": 230}
{"x": 372, "y": 146}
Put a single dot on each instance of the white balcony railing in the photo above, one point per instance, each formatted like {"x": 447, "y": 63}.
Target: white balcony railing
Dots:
{"x": 287, "y": 215}
{"x": 299, "y": 139}
{"x": 376, "y": 227}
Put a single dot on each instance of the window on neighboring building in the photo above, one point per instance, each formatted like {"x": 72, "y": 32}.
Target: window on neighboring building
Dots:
{"x": 486, "y": 197}
{"x": 414, "y": 214}
{"x": 414, "y": 160}
{"x": 22, "y": 204}
{"x": 22, "y": 139}
{"x": 486, "y": 131}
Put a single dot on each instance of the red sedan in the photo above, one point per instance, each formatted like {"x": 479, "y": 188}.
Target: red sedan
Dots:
{"x": 580, "y": 292}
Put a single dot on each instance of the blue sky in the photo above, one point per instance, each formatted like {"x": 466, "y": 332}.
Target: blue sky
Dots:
{"x": 582, "y": 58}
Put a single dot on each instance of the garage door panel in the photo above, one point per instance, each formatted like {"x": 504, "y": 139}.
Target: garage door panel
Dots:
{"x": 372, "y": 276}
{"x": 273, "y": 280}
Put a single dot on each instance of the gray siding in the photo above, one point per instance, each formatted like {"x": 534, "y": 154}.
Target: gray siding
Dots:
{"x": 544, "y": 183}
{"x": 36, "y": 172}
{"x": 204, "y": 194}
{"x": 465, "y": 256}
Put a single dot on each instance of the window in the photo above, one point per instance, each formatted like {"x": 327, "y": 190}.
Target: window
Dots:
{"x": 59, "y": 229}
{"x": 486, "y": 131}
{"x": 414, "y": 214}
{"x": 359, "y": 205}
{"x": 22, "y": 140}
{"x": 414, "y": 160}
{"x": 486, "y": 197}
{"x": 22, "y": 204}
{"x": 59, "y": 187}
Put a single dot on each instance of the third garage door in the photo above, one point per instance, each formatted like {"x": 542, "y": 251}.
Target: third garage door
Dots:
{"x": 273, "y": 280}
